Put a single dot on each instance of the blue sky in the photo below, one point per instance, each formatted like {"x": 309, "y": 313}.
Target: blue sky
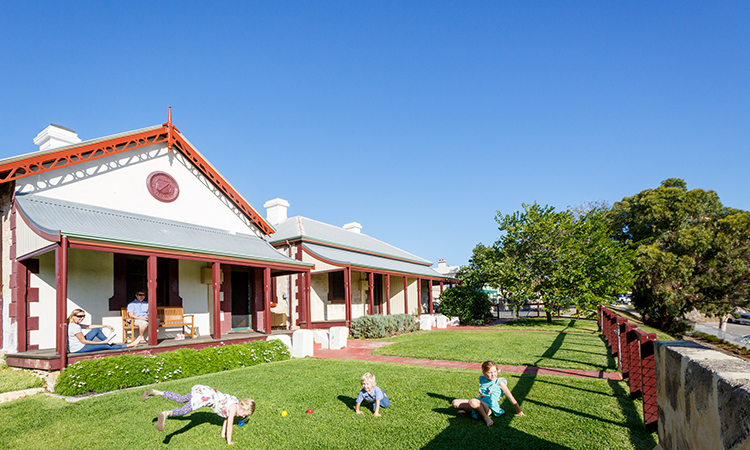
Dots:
{"x": 418, "y": 120}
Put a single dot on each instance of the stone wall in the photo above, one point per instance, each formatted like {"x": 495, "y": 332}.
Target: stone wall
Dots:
{"x": 703, "y": 397}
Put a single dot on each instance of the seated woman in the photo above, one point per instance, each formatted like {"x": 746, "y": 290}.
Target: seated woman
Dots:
{"x": 78, "y": 343}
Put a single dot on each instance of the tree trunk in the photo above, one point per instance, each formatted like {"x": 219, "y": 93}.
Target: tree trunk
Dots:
{"x": 723, "y": 322}
{"x": 549, "y": 315}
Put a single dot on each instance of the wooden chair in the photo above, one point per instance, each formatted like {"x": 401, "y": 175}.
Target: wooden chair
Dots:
{"x": 128, "y": 325}
{"x": 173, "y": 317}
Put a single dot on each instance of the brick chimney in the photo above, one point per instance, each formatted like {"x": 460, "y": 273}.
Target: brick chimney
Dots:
{"x": 354, "y": 227}
{"x": 276, "y": 210}
{"x": 55, "y": 136}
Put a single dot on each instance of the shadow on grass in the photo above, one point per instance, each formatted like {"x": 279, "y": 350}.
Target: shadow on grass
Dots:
{"x": 194, "y": 419}
{"x": 639, "y": 436}
{"x": 465, "y": 432}
{"x": 350, "y": 402}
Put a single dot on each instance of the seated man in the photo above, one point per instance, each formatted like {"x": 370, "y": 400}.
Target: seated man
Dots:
{"x": 138, "y": 311}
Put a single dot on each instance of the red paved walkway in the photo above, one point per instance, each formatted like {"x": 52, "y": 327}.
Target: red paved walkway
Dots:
{"x": 361, "y": 349}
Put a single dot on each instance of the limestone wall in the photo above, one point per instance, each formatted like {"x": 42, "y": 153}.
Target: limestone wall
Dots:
{"x": 703, "y": 397}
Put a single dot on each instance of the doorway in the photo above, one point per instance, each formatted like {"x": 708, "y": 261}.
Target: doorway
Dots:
{"x": 241, "y": 297}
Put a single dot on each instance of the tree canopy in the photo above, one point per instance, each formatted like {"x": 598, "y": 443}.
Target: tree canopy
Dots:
{"x": 560, "y": 258}
{"x": 692, "y": 252}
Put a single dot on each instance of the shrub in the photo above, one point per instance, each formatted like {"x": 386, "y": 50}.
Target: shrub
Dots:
{"x": 471, "y": 306}
{"x": 124, "y": 371}
{"x": 376, "y": 327}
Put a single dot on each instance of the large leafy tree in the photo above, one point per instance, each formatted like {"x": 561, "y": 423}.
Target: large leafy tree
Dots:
{"x": 692, "y": 252}
{"x": 560, "y": 258}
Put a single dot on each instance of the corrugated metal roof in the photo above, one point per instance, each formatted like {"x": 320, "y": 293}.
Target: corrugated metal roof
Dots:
{"x": 76, "y": 220}
{"x": 302, "y": 227}
{"x": 365, "y": 261}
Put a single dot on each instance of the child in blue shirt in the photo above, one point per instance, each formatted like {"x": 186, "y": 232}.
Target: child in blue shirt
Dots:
{"x": 491, "y": 390}
{"x": 370, "y": 392}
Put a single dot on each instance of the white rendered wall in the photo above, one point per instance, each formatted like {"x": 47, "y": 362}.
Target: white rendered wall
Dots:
{"x": 197, "y": 298}
{"x": 359, "y": 295}
{"x": 412, "y": 291}
{"x": 119, "y": 182}
{"x": 397, "y": 295}
{"x": 318, "y": 292}
{"x": 26, "y": 240}
{"x": 46, "y": 307}
{"x": 9, "y": 327}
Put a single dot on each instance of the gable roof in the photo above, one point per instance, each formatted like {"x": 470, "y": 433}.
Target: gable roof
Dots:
{"x": 308, "y": 230}
{"x": 53, "y": 217}
{"x": 44, "y": 161}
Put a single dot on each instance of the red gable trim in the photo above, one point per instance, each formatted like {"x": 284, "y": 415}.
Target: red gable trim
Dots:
{"x": 37, "y": 163}
{"x": 207, "y": 169}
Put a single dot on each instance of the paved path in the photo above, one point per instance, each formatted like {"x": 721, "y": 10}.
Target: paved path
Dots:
{"x": 362, "y": 350}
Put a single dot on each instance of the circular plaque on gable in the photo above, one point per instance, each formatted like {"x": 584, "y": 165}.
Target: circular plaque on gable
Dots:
{"x": 163, "y": 186}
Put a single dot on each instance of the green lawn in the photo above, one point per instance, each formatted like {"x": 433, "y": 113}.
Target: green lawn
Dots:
{"x": 15, "y": 380}
{"x": 562, "y": 413}
{"x": 511, "y": 347}
{"x": 565, "y": 325}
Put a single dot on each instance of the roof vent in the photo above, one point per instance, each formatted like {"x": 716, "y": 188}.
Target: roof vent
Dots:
{"x": 276, "y": 210}
{"x": 55, "y": 136}
{"x": 354, "y": 227}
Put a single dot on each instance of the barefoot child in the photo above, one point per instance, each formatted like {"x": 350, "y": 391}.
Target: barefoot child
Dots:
{"x": 227, "y": 406}
{"x": 491, "y": 390}
{"x": 371, "y": 393}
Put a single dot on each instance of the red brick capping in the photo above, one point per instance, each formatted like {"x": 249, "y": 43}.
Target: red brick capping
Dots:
{"x": 634, "y": 350}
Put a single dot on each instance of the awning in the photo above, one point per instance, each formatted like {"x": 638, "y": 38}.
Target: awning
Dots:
{"x": 92, "y": 223}
{"x": 367, "y": 262}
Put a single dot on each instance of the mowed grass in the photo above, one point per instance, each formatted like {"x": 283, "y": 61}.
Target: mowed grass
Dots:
{"x": 558, "y": 350}
{"x": 16, "y": 380}
{"x": 562, "y": 413}
{"x": 563, "y": 325}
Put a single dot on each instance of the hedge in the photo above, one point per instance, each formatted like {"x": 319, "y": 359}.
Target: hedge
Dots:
{"x": 124, "y": 371}
{"x": 375, "y": 327}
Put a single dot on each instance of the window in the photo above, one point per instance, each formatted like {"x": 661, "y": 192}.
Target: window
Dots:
{"x": 336, "y": 289}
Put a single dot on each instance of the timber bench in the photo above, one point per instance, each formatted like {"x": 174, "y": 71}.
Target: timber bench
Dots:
{"x": 166, "y": 317}
{"x": 173, "y": 317}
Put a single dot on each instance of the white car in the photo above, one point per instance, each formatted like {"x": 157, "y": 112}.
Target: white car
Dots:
{"x": 742, "y": 318}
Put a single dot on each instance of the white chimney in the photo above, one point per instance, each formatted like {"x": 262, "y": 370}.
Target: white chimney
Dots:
{"x": 354, "y": 227}
{"x": 276, "y": 210}
{"x": 55, "y": 136}
{"x": 441, "y": 263}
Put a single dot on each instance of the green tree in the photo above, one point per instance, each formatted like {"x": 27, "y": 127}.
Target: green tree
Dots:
{"x": 692, "y": 252}
{"x": 559, "y": 257}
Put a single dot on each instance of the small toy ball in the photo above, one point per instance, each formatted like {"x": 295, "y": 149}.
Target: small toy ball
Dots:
{"x": 309, "y": 411}
{"x": 283, "y": 413}
{"x": 242, "y": 422}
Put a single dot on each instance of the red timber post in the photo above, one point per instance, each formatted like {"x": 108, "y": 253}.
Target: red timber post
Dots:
{"x": 216, "y": 284}
{"x": 153, "y": 326}
{"x": 627, "y": 356}
{"x": 371, "y": 290}
{"x": 388, "y": 294}
{"x": 429, "y": 295}
{"x": 648, "y": 379}
{"x": 61, "y": 279}
{"x": 634, "y": 360}
{"x": 406, "y": 295}
{"x": 441, "y": 286}
{"x": 419, "y": 295}
{"x": 267, "y": 300}
{"x": 619, "y": 341}
{"x": 348, "y": 295}
{"x": 308, "y": 307}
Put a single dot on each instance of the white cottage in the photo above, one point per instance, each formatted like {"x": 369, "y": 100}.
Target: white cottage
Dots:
{"x": 354, "y": 274}
{"x": 87, "y": 224}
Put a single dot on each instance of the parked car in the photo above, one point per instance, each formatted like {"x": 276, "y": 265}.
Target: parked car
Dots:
{"x": 740, "y": 317}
